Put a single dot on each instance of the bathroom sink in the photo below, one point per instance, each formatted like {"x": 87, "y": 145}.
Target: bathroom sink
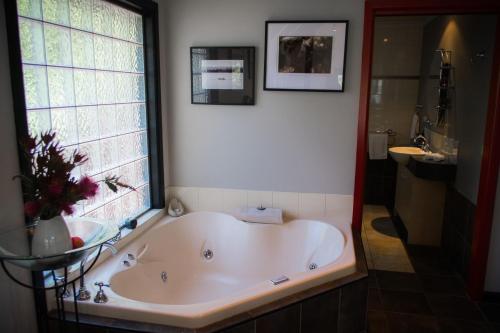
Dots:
{"x": 402, "y": 154}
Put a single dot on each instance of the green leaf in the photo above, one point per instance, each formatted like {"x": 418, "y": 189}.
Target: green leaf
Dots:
{"x": 111, "y": 186}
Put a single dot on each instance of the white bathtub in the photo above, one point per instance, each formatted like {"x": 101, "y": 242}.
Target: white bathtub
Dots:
{"x": 200, "y": 291}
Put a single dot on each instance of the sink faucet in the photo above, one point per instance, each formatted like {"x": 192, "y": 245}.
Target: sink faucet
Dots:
{"x": 421, "y": 142}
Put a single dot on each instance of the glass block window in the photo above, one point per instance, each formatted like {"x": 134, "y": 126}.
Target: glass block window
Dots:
{"x": 83, "y": 68}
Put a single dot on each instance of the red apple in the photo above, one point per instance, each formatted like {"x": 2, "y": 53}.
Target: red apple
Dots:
{"x": 77, "y": 242}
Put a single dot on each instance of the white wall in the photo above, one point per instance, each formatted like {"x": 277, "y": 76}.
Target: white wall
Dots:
{"x": 288, "y": 141}
{"x": 16, "y": 303}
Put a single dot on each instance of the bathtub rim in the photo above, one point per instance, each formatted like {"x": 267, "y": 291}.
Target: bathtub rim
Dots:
{"x": 353, "y": 240}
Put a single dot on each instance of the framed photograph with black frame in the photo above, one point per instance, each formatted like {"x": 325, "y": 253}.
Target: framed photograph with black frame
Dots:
{"x": 305, "y": 55}
{"x": 223, "y": 75}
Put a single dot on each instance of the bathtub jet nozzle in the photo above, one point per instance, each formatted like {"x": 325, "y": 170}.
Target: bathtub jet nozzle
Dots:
{"x": 208, "y": 254}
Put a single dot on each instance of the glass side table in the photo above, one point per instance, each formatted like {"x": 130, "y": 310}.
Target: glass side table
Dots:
{"x": 15, "y": 249}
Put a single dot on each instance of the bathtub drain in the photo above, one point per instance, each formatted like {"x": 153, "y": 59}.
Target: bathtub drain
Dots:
{"x": 312, "y": 266}
{"x": 164, "y": 276}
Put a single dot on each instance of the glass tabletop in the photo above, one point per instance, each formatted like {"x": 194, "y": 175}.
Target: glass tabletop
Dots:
{"x": 15, "y": 245}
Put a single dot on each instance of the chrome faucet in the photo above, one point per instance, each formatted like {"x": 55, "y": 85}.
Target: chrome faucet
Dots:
{"x": 83, "y": 292}
{"x": 101, "y": 297}
{"x": 421, "y": 142}
{"x": 64, "y": 291}
{"x": 111, "y": 247}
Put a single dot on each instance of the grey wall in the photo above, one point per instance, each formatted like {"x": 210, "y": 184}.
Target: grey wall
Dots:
{"x": 465, "y": 35}
{"x": 16, "y": 303}
{"x": 288, "y": 141}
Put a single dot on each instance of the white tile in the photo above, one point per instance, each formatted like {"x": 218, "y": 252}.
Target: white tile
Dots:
{"x": 312, "y": 205}
{"x": 288, "y": 202}
{"x": 211, "y": 199}
{"x": 187, "y": 195}
{"x": 258, "y": 198}
{"x": 234, "y": 199}
{"x": 339, "y": 206}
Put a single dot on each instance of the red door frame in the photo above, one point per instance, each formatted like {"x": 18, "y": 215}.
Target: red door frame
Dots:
{"x": 491, "y": 151}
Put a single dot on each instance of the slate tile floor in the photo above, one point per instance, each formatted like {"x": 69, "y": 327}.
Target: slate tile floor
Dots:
{"x": 400, "y": 302}
{"x": 429, "y": 297}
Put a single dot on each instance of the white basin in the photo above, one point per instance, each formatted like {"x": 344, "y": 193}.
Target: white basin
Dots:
{"x": 83, "y": 228}
{"x": 402, "y": 154}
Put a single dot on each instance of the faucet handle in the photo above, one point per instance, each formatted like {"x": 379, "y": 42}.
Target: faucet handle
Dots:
{"x": 101, "y": 284}
{"x": 101, "y": 297}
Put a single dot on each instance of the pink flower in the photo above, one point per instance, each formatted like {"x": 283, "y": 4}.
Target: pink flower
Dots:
{"x": 88, "y": 187}
{"x": 32, "y": 208}
{"x": 67, "y": 208}
{"x": 55, "y": 189}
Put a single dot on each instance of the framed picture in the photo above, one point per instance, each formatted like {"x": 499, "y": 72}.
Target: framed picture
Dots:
{"x": 223, "y": 75}
{"x": 305, "y": 55}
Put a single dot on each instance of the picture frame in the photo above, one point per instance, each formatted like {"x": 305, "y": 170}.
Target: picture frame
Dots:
{"x": 305, "y": 55}
{"x": 223, "y": 75}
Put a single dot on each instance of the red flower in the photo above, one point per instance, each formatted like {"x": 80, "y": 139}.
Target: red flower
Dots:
{"x": 32, "y": 208}
{"x": 67, "y": 208}
{"x": 55, "y": 188}
{"x": 50, "y": 183}
{"x": 88, "y": 187}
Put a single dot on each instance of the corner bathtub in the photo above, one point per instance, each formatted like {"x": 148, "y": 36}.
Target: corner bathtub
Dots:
{"x": 171, "y": 279}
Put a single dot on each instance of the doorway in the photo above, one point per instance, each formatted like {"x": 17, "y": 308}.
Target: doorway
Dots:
{"x": 474, "y": 270}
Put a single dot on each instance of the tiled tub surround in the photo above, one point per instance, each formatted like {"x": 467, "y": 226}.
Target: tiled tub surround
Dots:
{"x": 254, "y": 301}
{"x": 294, "y": 204}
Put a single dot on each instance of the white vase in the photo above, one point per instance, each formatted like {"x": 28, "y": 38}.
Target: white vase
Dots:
{"x": 51, "y": 237}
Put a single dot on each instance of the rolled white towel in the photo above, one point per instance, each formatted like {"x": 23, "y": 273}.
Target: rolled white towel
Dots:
{"x": 377, "y": 146}
{"x": 415, "y": 126}
{"x": 258, "y": 215}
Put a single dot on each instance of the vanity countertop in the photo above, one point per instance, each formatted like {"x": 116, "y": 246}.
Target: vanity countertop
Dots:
{"x": 431, "y": 170}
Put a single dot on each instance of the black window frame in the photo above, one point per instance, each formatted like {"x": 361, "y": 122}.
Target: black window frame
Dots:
{"x": 148, "y": 9}
{"x": 149, "y": 12}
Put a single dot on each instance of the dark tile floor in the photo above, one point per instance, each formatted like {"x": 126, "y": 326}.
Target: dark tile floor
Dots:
{"x": 433, "y": 299}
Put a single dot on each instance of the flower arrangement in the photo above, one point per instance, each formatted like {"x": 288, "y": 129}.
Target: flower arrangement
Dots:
{"x": 50, "y": 188}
